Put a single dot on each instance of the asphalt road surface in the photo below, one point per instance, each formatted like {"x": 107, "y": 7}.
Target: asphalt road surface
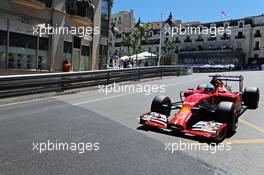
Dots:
{"x": 117, "y": 143}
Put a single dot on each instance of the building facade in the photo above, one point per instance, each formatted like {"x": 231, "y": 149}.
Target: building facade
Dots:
{"x": 243, "y": 45}
{"x": 21, "y": 47}
{"x": 124, "y": 21}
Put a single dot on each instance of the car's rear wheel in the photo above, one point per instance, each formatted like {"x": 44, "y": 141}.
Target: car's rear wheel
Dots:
{"x": 251, "y": 97}
{"x": 226, "y": 113}
{"x": 161, "y": 104}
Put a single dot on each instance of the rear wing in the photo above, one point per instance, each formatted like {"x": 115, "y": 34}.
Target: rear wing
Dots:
{"x": 226, "y": 78}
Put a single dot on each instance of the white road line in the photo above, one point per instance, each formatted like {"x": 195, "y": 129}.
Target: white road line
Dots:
{"x": 121, "y": 95}
{"x": 102, "y": 99}
{"x": 28, "y": 101}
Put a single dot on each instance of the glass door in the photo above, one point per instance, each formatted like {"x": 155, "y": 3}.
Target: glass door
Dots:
{"x": 76, "y": 59}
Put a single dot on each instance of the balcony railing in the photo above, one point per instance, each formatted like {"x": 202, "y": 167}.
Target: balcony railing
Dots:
{"x": 81, "y": 12}
{"x": 149, "y": 42}
{"x": 35, "y": 4}
{"x": 205, "y": 49}
{"x": 199, "y": 40}
{"x": 240, "y": 37}
{"x": 187, "y": 40}
{"x": 177, "y": 41}
{"x": 211, "y": 39}
{"x": 225, "y": 38}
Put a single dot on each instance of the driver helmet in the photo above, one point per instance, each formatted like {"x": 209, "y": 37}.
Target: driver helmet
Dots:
{"x": 209, "y": 89}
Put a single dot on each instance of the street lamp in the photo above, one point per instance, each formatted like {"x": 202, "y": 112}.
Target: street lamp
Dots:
{"x": 114, "y": 31}
{"x": 138, "y": 26}
{"x": 169, "y": 21}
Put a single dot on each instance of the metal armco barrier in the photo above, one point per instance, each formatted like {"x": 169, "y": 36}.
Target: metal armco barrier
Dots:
{"x": 15, "y": 85}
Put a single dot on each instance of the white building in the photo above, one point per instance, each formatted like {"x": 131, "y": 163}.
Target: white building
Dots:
{"x": 244, "y": 44}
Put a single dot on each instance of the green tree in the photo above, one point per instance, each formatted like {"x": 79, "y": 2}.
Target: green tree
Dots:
{"x": 168, "y": 47}
{"x": 127, "y": 41}
{"x": 141, "y": 34}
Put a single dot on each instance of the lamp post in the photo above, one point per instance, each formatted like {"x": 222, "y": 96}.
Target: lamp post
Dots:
{"x": 138, "y": 26}
{"x": 114, "y": 31}
{"x": 169, "y": 21}
{"x": 161, "y": 28}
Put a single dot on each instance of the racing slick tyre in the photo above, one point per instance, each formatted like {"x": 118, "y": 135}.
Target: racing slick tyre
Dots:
{"x": 226, "y": 113}
{"x": 161, "y": 104}
{"x": 201, "y": 86}
{"x": 251, "y": 97}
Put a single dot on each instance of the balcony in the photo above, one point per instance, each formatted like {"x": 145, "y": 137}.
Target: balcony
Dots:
{"x": 34, "y": 4}
{"x": 177, "y": 41}
{"x": 199, "y": 40}
{"x": 225, "y": 38}
{"x": 150, "y": 42}
{"x": 81, "y": 12}
{"x": 256, "y": 48}
{"x": 208, "y": 49}
{"x": 211, "y": 39}
{"x": 239, "y": 49}
{"x": 187, "y": 40}
{"x": 240, "y": 37}
{"x": 81, "y": 21}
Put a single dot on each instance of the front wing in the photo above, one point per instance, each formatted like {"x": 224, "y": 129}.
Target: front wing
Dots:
{"x": 207, "y": 129}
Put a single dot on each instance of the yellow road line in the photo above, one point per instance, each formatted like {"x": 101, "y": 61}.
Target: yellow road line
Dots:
{"x": 244, "y": 141}
{"x": 251, "y": 125}
{"x": 233, "y": 142}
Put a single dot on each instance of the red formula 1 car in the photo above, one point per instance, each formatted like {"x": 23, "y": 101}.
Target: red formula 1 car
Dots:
{"x": 209, "y": 111}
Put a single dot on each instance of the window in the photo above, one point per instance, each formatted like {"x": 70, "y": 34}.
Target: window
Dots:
{"x": 149, "y": 49}
{"x": 241, "y": 24}
{"x": 157, "y": 49}
{"x": 105, "y": 18}
{"x": 43, "y": 53}
{"x": 79, "y": 7}
{"x": 239, "y": 46}
{"x": 240, "y": 35}
{"x": 85, "y": 58}
{"x": 22, "y": 51}
{"x": 151, "y": 33}
{"x": 67, "y": 50}
{"x": 256, "y": 45}
{"x": 77, "y": 42}
{"x": 3, "y": 40}
{"x": 257, "y": 34}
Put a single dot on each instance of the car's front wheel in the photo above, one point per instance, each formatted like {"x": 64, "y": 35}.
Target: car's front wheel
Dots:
{"x": 161, "y": 104}
{"x": 226, "y": 113}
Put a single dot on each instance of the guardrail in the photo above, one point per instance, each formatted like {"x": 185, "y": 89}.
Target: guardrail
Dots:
{"x": 15, "y": 85}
